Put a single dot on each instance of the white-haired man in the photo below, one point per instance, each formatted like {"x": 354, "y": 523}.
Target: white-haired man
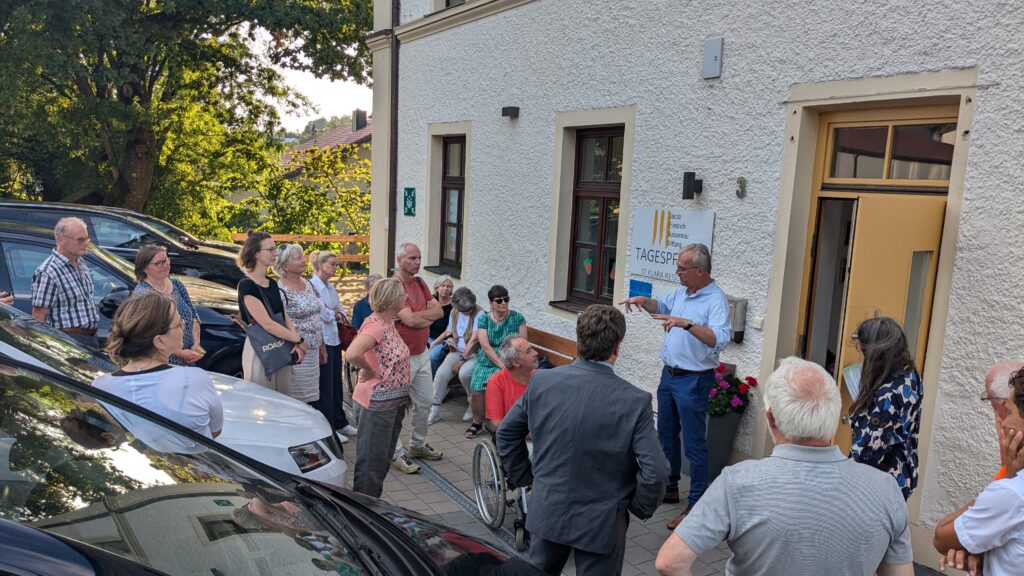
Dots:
{"x": 771, "y": 510}
{"x": 62, "y": 290}
{"x": 414, "y": 320}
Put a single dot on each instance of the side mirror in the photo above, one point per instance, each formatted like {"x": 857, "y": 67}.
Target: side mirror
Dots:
{"x": 112, "y": 301}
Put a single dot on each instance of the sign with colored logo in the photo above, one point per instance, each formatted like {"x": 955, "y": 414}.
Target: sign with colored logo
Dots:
{"x": 659, "y": 233}
{"x": 409, "y": 205}
{"x": 640, "y": 288}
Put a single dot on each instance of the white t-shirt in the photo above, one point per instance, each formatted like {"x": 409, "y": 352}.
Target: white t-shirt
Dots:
{"x": 994, "y": 526}
{"x": 460, "y": 330}
{"x": 183, "y": 394}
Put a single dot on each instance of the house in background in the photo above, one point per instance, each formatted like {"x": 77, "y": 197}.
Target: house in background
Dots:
{"x": 855, "y": 159}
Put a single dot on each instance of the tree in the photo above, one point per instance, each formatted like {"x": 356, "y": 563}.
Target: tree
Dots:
{"x": 95, "y": 88}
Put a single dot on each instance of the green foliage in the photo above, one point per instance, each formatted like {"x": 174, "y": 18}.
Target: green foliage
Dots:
{"x": 115, "y": 100}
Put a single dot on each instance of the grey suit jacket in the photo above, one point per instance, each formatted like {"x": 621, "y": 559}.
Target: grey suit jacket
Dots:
{"x": 595, "y": 454}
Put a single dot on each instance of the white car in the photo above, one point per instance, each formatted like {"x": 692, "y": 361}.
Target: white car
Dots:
{"x": 265, "y": 425}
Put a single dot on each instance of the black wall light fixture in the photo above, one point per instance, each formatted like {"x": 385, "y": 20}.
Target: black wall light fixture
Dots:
{"x": 691, "y": 185}
{"x": 510, "y": 111}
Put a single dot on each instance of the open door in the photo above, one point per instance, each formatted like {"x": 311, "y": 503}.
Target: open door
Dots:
{"x": 893, "y": 262}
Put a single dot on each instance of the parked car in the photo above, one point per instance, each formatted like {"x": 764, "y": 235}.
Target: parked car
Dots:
{"x": 122, "y": 235}
{"x": 275, "y": 429}
{"x": 82, "y": 491}
{"x": 23, "y": 248}
{"x": 175, "y": 232}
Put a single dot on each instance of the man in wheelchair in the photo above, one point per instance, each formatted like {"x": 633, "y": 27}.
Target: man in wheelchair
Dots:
{"x": 508, "y": 384}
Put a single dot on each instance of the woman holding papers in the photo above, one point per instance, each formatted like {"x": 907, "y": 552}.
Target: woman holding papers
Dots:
{"x": 886, "y": 414}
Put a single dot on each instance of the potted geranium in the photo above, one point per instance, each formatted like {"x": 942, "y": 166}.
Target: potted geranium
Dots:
{"x": 727, "y": 400}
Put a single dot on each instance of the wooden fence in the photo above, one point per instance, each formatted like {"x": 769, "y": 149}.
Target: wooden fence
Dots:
{"x": 341, "y": 239}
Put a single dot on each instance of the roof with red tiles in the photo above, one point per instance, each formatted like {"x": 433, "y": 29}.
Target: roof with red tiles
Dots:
{"x": 338, "y": 137}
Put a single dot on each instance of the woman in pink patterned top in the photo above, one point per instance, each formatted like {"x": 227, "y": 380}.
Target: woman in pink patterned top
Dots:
{"x": 383, "y": 387}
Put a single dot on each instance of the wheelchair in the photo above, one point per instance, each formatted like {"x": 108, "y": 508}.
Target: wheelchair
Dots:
{"x": 495, "y": 494}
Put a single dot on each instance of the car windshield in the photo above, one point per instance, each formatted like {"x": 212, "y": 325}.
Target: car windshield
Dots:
{"x": 83, "y": 469}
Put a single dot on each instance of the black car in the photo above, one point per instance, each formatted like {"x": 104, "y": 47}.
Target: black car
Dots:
{"x": 123, "y": 235}
{"x": 92, "y": 484}
{"x": 23, "y": 249}
{"x": 175, "y": 232}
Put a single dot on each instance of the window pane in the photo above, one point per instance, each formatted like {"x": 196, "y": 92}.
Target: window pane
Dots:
{"x": 608, "y": 272}
{"x": 451, "y": 239}
{"x": 22, "y": 261}
{"x": 923, "y": 152}
{"x": 611, "y": 224}
{"x": 585, "y": 269}
{"x": 595, "y": 159}
{"x": 588, "y": 214}
{"x": 920, "y": 264}
{"x": 859, "y": 152}
{"x": 454, "y": 165}
{"x": 615, "y": 170}
{"x": 452, "y": 212}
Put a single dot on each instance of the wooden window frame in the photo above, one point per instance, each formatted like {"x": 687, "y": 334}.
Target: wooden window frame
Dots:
{"x": 452, "y": 183}
{"x": 604, "y": 191}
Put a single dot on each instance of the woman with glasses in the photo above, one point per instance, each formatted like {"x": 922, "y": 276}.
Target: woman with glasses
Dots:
{"x": 259, "y": 253}
{"x": 303, "y": 306}
{"x": 153, "y": 271}
{"x": 325, "y": 266}
{"x": 147, "y": 332}
{"x": 886, "y": 414}
{"x": 491, "y": 329}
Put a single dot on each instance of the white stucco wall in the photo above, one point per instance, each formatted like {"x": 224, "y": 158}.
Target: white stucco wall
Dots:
{"x": 554, "y": 56}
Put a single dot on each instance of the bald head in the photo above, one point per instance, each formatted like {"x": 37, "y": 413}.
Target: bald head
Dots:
{"x": 803, "y": 400}
{"x": 997, "y": 387}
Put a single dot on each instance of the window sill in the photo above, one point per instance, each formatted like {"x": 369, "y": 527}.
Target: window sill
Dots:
{"x": 452, "y": 271}
{"x": 574, "y": 306}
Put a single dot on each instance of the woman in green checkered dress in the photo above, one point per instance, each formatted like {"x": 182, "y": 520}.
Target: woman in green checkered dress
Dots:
{"x": 492, "y": 328}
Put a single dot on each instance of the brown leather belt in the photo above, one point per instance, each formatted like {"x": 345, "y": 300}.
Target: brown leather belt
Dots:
{"x": 685, "y": 372}
{"x": 79, "y": 330}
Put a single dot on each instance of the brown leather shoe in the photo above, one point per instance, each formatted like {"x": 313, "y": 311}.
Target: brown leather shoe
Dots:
{"x": 678, "y": 519}
{"x": 671, "y": 498}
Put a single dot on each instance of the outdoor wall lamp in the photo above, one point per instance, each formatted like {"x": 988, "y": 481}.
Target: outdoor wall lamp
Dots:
{"x": 691, "y": 185}
{"x": 510, "y": 112}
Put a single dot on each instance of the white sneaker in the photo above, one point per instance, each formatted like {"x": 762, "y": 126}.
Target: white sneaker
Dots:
{"x": 467, "y": 416}
{"x": 341, "y": 437}
{"x": 349, "y": 430}
{"x": 433, "y": 416}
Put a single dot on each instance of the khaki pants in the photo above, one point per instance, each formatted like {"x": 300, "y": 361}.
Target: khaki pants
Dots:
{"x": 252, "y": 369}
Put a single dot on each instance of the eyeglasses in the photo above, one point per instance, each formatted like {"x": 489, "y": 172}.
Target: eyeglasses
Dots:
{"x": 161, "y": 263}
{"x": 178, "y": 324}
{"x": 682, "y": 269}
{"x": 80, "y": 239}
{"x": 501, "y": 300}
{"x": 988, "y": 398}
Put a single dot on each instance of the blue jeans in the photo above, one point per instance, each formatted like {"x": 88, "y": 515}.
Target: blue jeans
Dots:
{"x": 683, "y": 405}
{"x": 437, "y": 354}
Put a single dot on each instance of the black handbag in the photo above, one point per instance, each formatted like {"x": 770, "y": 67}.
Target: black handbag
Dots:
{"x": 275, "y": 353}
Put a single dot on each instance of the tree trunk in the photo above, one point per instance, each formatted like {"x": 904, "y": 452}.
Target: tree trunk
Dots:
{"x": 135, "y": 175}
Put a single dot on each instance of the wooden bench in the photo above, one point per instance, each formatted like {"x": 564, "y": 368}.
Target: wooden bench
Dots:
{"x": 560, "y": 351}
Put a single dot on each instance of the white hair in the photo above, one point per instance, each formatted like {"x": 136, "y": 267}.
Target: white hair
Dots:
{"x": 400, "y": 251}
{"x": 700, "y": 254}
{"x": 804, "y": 399}
{"x": 507, "y": 350}
{"x": 441, "y": 280}
{"x": 61, "y": 229}
{"x": 285, "y": 254}
{"x": 997, "y": 380}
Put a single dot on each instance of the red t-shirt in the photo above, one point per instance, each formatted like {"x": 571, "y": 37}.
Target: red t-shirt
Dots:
{"x": 503, "y": 390}
{"x": 417, "y": 297}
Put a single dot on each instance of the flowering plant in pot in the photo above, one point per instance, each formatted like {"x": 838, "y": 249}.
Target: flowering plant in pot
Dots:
{"x": 729, "y": 394}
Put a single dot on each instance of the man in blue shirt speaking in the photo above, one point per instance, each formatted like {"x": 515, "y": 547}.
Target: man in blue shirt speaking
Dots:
{"x": 697, "y": 327}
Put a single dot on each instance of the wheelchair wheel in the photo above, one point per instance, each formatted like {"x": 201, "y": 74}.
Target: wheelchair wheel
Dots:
{"x": 489, "y": 483}
{"x": 349, "y": 375}
{"x": 522, "y": 539}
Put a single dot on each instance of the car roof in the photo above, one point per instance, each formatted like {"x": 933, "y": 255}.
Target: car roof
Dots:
{"x": 99, "y": 210}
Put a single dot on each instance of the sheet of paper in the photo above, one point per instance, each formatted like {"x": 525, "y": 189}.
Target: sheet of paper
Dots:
{"x": 851, "y": 377}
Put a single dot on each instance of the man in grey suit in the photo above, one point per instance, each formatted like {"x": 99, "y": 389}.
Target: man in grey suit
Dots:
{"x": 596, "y": 455}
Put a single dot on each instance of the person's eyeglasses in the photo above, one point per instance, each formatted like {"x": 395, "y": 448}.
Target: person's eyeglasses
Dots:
{"x": 80, "y": 240}
{"x": 501, "y": 300}
{"x": 161, "y": 263}
{"x": 682, "y": 269}
{"x": 987, "y": 398}
{"x": 178, "y": 324}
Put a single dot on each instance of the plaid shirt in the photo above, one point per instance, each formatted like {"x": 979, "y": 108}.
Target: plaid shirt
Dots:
{"x": 66, "y": 292}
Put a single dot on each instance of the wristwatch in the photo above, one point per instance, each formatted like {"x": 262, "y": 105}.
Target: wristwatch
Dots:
{"x": 688, "y": 326}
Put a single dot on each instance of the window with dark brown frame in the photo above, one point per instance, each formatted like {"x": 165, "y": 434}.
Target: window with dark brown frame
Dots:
{"x": 450, "y": 3}
{"x": 453, "y": 190}
{"x": 595, "y": 215}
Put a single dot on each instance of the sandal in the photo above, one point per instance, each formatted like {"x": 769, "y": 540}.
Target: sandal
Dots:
{"x": 474, "y": 430}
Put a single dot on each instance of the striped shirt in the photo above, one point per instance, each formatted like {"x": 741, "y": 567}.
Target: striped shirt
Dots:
{"x": 803, "y": 510}
{"x": 66, "y": 292}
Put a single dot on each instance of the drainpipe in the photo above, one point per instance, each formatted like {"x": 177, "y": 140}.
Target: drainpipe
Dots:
{"x": 396, "y": 20}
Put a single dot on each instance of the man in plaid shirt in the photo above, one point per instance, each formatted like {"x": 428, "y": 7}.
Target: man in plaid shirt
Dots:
{"x": 62, "y": 290}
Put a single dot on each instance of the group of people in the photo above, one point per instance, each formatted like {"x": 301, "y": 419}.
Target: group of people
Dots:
{"x": 597, "y": 456}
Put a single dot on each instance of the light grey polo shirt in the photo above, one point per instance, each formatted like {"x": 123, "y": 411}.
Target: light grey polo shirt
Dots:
{"x": 802, "y": 510}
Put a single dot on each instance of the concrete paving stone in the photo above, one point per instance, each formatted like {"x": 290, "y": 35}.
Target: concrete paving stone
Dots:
{"x": 433, "y": 497}
{"x": 445, "y": 507}
{"x": 636, "y": 529}
{"x": 637, "y": 554}
{"x": 646, "y": 567}
{"x": 629, "y": 570}
{"x": 651, "y": 542}
{"x": 704, "y": 569}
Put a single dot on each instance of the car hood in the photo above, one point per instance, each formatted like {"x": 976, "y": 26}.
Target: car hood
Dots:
{"x": 209, "y": 294}
{"x": 250, "y": 409}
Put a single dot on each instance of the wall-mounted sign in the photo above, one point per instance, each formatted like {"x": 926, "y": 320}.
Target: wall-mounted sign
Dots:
{"x": 640, "y": 288}
{"x": 409, "y": 206}
{"x": 659, "y": 233}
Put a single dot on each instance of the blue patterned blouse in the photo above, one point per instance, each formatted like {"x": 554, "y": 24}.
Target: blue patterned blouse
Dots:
{"x": 186, "y": 310}
{"x": 885, "y": 436}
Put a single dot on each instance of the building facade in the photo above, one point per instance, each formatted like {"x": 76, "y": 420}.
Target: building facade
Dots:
{"x": 856, "y": 159}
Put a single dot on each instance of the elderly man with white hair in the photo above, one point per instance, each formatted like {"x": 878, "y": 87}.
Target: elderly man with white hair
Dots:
{"x": 806, "y": 509}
